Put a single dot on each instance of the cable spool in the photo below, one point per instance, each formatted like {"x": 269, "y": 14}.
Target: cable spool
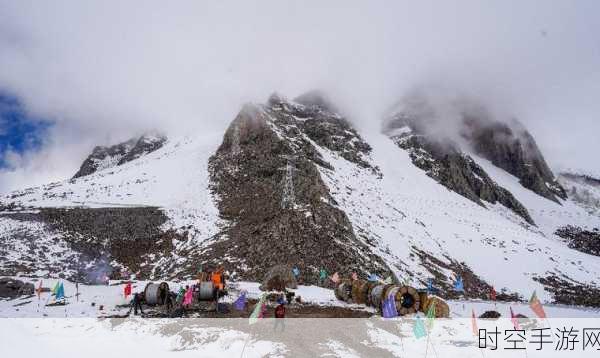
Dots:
{"x": 360, "y": 291}
{"x": 408, "y": 299}
{"x": 377, "y": 296}
{"x": 442, "y": 310}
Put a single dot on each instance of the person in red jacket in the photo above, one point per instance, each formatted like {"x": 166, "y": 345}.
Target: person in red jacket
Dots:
{"x": 279, "y": 314}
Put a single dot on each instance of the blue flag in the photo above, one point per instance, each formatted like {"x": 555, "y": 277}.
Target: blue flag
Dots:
{"x": 373, "y": 278}
{"x": 60, "y": 292}
{"x": 429, "y": 285}
{"x": 458, "y": 285}
{"x": 388, "y": 308}
{"x": 240, "y": 303}
{"x": 419, "y": 328}
{"x": 296, "y": 271}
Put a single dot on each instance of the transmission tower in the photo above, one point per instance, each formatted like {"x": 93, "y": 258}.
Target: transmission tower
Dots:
{"x": 288, "y": 199}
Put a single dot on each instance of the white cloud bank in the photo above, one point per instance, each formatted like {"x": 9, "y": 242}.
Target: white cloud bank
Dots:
{"x": 105, "y": 70}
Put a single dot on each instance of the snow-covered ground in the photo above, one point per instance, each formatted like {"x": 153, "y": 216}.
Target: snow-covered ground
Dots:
{"x": 75, "y": 331}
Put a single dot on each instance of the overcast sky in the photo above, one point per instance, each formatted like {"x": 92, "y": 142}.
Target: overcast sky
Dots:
{"x": 103, "y": 71}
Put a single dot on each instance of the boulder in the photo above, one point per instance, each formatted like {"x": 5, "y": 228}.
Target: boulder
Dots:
{"x": 11, "y": 288}
{"x": 278, "y": 278}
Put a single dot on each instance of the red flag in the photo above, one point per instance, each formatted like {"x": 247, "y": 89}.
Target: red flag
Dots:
{"x": 354, "y": 276}
{"x": 39, "y": 290}
{"x": 127, "y": 289}
{"x": 493, "y": 294}
{"x": 514, "y": 319}
{"x": 474, "y": 323}
{"x": 536, "y": 306}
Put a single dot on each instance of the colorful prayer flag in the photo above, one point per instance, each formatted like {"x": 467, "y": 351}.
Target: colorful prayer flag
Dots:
{"x": 419, "y": 328}
{"x": 296, "y": 271}
{"x": 388, "y": 281}
{"x": 55, "y": 288}
{"x": 458, "y": 285}
{"x": 493, "y": 294}
{"x": 514, "y": 319}
{"x": 354, "y": 276}
{"x": 60, "y": 292}
{"x": 335, "y": 278}
{"x": 240, "y": 303}
{"x": 536, "y": 306}
{"x": 127, "y": 289}
{"x": 388, "y": 308}
{"x": 39, "y": 290}
{"x": 474, "y": 323}
{"x": 373, "y": 278}
{"x": 430, "y": 315}
{"x": 188, "y": 297}
{"x": 258, "y": 311}
{"x": 429, "y": 285}
{"x": 323, "y": 274}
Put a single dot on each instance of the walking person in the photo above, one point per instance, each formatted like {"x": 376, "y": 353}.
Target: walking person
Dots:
{"x": 279, "y": 315}
{"x": 137, "y": 303}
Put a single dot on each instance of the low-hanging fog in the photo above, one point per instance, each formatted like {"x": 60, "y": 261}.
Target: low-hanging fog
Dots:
{"x": 103, "y": 71}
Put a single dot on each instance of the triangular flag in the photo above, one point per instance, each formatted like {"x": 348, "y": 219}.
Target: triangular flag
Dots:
{"x": 430, "y": 315}
{"x": 55, "y": 288}
{"x": 60, "y": 292}
{"x": 419, "y": 328}
{"x": 39, "y": 290}
{"x": 458, "y": 285}
{"x": 127, "y": 289}
{"x": 514, "y": 319}
{"x": 474, "y": 323}
{"x": 188, "y": 297}
{"x": 493, "y": 294}
{"x": 323, "y": 274}
{"x": 429, "y": 285}
{"x": 388, "y": 281}
{"x": 335, "y": 278}
{"x": 373, "y": 278}
{"x": 388, "y": 308}
{"x": 258, "y": 311}
{"x": 240, "y": 303}
{"x": 296, "y": 271}
{"x": 354, "y": 276}
{"x": 536, "y": 306}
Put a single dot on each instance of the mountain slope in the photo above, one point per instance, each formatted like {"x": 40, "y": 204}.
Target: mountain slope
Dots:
{"x": 295, "y": 183}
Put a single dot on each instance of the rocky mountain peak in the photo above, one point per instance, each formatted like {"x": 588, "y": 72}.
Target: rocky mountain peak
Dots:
{"x": 103, "y": 157}
{"x": 465, "y": 124}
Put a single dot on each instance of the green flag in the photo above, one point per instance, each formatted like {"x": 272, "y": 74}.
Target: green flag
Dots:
{"x": 55, "y": 288}
{"x": 419, "y": 328}
{"x": 257, "y": 313}
{"x": 430, "y": 316}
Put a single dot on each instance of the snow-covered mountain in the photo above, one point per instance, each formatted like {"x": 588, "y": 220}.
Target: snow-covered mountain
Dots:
{"x": 294, "y": 182}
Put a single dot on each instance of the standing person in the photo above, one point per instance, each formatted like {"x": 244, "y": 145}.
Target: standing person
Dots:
{"x": 279, "y": 314}
{"x": 137, "y": 303}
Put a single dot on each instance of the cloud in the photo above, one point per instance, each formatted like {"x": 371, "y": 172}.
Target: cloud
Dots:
{"x": 103, "y": 71}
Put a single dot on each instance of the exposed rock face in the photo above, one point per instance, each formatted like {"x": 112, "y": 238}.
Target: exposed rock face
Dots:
{"x": 513, "y": 149}
{"x": 570, "y": 292}
{"x": 443, "y": 161}
{"x": 107, "y": 157}
{"x": 270, "y": 191}
{"x": 581, "y": 240}
{"x": 508, "y": 145}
